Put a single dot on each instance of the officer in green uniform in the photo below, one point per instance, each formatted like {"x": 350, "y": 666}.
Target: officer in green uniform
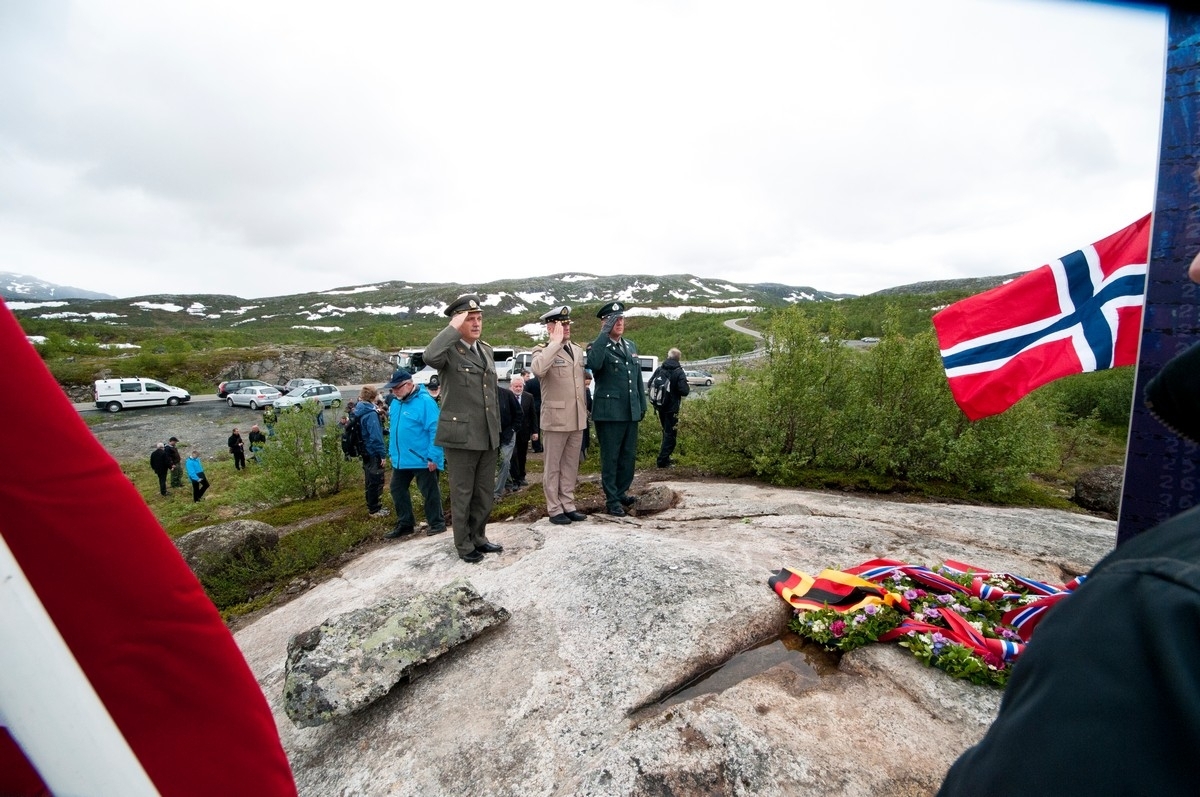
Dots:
{"x": 618, "y": 405}
{"x": 468, "y": 428}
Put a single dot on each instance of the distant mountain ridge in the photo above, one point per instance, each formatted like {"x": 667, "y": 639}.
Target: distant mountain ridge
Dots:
{"x": 968, "y": 285}
{"x": 520, "y": 301}
{"x": 22, "y": 287}
{"x": 524, "y": 299}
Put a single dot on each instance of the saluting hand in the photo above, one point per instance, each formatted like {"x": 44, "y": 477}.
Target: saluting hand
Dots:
{"x": 458, "y": 319}
{"x": 556, "y": 332}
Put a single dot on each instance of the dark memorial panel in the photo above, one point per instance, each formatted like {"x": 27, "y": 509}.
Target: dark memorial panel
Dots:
{"x": 1162, "y": 469}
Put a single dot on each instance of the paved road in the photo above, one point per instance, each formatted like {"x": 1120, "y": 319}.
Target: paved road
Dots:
{"x": 736, "y": 327}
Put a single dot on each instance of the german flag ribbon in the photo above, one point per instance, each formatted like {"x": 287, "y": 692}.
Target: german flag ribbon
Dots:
{"x": 834, "y": 589}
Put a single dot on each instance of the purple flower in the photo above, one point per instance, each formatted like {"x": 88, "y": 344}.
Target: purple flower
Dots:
{"x": 939, "y": 642}
{"x": 944, "y": 599}
{"x": 910, "y": 595}
{"x": 958, "y": 607}
{"x": 931, "y": 613}
{"x": 837, "y": 628}
{"x": 858, "y": 619}
{"x": 1007, "y": 634}
{"x": 897, "y": 577}
{"x": 871, "y": 609}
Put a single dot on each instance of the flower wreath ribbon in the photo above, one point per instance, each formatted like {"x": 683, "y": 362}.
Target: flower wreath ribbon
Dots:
{"x": 856, "y": 587}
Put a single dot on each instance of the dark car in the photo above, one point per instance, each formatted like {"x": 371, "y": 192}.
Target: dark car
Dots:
{"x": 225, "y": 388}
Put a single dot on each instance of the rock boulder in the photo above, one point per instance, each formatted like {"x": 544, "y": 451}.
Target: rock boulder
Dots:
{"x": 355, "y": 658}
{"x": 210, "y": 548}
{"x": 1099, "y": 489}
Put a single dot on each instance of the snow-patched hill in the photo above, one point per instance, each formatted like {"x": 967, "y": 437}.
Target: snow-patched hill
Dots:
{"x": 22, "y": 287}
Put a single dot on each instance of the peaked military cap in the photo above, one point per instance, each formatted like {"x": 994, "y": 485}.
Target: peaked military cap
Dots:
{"x": 467, "y": 303}
{"x": 610, "y": 308}
{"x": 561, "y": 313}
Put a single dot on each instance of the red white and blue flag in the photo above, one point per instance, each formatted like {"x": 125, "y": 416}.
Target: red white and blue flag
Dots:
{"x": 117, "y": 676}
{"x": 1080, "y": 313}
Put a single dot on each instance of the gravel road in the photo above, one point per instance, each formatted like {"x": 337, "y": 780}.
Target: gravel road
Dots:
{"x": 205, "y": 425}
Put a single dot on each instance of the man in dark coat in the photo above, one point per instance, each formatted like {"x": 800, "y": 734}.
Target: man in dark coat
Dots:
{"x": 238, "y": 449}
{"x": 1106, "y": 698}
{"x": 668, "y": 411}
{"x": 618, "y": 405}
{"x": 176, "y": 462}
{"x": 160, "y": 463}
{"x": 468, "y": 429}
{"x": 510, "y": 423}
{"x": 534, "y": 388}
{"x": 527, "y": 432}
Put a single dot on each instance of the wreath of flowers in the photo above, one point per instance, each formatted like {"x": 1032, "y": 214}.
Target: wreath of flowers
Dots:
{"x": 971, "y": 624}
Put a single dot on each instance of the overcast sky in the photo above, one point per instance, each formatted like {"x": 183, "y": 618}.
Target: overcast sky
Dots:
{"x": 264, "y": 148}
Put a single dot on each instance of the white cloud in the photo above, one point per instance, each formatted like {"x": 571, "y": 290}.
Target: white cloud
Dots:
{"x": 277, "y": 147}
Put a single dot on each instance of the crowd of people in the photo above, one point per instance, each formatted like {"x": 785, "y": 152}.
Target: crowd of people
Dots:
{"x": 464, "y": 423}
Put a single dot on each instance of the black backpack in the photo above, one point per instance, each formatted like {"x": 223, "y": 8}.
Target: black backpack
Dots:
{"x": 659, "y": 388}
{"x": 352, "y": 438}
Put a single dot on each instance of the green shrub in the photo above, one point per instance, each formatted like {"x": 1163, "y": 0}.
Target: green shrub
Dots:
{"x": 1107, "y": 394}
{"x": 818, "y": 407}
{"x": 303, "y": 460}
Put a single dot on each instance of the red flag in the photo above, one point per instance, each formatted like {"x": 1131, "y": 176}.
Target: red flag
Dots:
{"x": 1080, "y": 313}
{"x": 117, "y": 676}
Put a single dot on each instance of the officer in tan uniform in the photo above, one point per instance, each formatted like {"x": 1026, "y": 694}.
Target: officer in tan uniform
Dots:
{"x": 618, "y": 405}
{"x": 469, "y": 424}
{"x": 558, "y": 366}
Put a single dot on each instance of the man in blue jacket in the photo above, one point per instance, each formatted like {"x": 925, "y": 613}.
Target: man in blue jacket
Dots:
{"x": 373, "y": 450}
{"x": 414, "y": 420}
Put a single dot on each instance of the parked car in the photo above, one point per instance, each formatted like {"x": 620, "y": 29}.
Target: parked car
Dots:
{"x": 328, "y": 395}
{"x": 292, "y": 384}
{"x": 233, "y": 385}
{"x": 698, "y": 377}
{"x": 253, "y": 397}
{"x": 115, "y": 395}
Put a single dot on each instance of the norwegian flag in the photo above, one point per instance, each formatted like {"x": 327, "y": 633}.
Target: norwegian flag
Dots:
{"x": 1080, "y": 313}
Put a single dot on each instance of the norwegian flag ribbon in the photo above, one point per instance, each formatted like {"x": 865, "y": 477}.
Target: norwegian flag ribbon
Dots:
{"x": 117, "y": 676}
{"x": 1080, "y": 313}
{"x": 961, "y": 632}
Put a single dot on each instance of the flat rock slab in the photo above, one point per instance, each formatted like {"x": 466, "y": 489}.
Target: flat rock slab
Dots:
{"x": 353, "y": 659}
{"x": 612, "y": 615}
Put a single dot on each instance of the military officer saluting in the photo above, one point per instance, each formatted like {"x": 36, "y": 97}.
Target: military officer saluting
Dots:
{"x": 618, "y": 405}
{"x": 558, "y": 365}
{"x": 468, "y": 428}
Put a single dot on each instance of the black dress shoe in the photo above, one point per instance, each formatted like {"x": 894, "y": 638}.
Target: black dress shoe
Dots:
{"x": 617, "y": 510}
{"x": 489, "y": 547}
{"x": 560, "y": 520}
{"x": 398, "y": 532}
{"x": 576, "y": 515}
{"x": 430, "y": 532}
{"x": 474, "y": 557}
{"x": 628, "y": 500}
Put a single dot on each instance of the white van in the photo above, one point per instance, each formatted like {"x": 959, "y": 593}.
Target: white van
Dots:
{"x": 115, "y": 395}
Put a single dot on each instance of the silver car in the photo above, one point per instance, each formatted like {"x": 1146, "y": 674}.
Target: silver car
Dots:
{"x": 253, "y": 397}
{"x": 328, "y": 395}
{"x": 698, "y": 377}
{"x": 293, "y": 384}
